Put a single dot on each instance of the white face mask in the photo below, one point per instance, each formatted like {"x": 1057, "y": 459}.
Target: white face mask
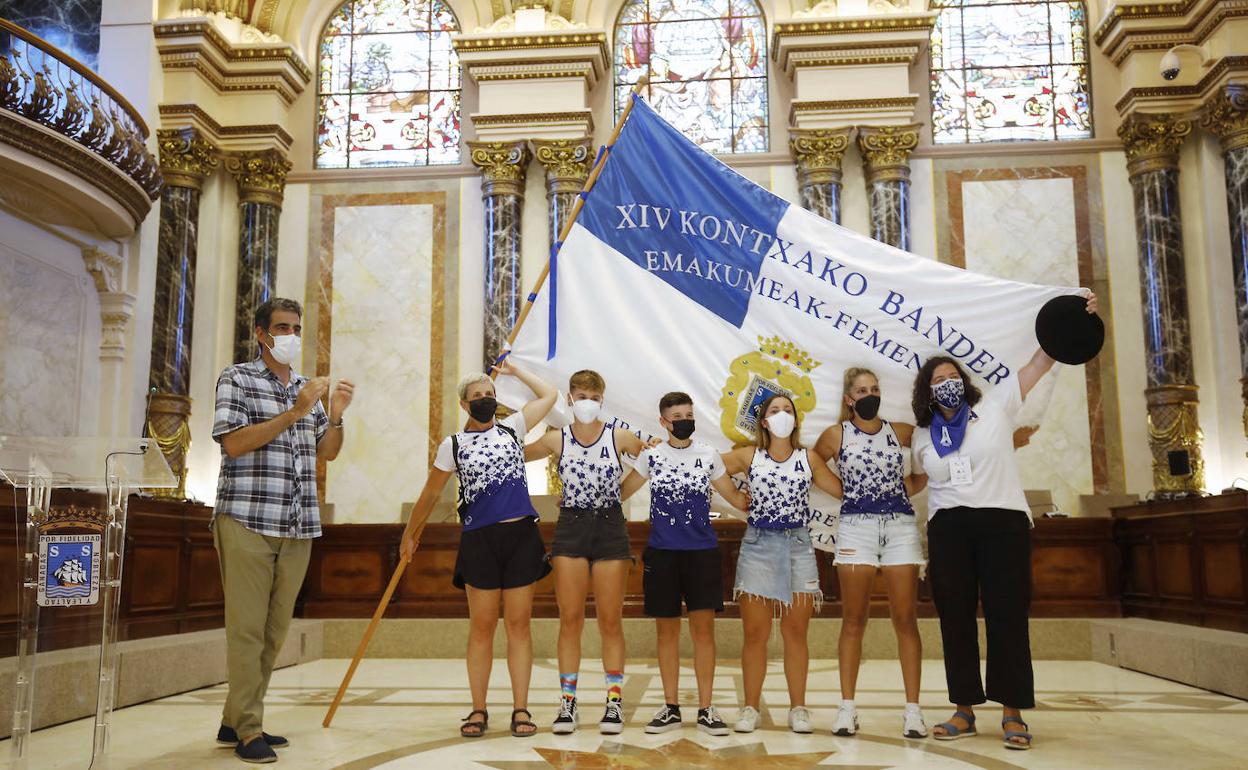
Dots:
{"x": 586, "y": 410}
{"x": 286, "y": 348}
{"x": 781, "y": 424}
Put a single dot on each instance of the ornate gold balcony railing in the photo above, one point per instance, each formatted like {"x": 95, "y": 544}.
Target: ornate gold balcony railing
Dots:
{"x": 43, "y": 84}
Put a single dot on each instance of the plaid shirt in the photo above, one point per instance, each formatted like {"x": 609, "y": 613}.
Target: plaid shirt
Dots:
{"x": 270, "y": 490}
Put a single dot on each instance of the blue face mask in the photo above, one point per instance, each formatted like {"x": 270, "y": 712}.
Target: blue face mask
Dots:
{"x": 949, "y": 393}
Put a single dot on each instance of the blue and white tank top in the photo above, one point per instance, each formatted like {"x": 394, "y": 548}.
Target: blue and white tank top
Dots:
{"x": 680, "y": 494}
{"x": 780, "y": 491}
{"x": 490, "y": 465}
{"x": 872, "y": 468}
{"x": 590, "y": 474}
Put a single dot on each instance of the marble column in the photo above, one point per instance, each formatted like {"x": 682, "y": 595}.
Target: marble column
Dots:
{"x": 1152, "y": 145}
{"x": 503, "y": 166}
{"x": 186, "y": 160}
{"x": 886, "y": 163}
{"x": 567, "y": 163}
{"x": 1227, "y": 117}
{"x": 817, "y": 154}
{"x": 261, "y": 178}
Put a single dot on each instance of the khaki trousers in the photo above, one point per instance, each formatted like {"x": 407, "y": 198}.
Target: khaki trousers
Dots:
{"x": 261, "y": 576}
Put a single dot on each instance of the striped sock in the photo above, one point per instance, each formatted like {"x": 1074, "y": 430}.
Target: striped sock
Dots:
{"x": 567, "y": 684}
{"x": 615, "y": 683}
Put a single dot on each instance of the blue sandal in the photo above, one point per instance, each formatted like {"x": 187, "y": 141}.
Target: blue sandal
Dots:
{"x": 953, "y": 732}
{"x": 1016, "y": 734}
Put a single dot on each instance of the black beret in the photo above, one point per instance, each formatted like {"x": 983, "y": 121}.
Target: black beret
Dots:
{"x": 1068, "y": 332}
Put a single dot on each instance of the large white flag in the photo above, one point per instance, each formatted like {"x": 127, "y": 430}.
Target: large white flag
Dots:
{"x": 680, "y": 274}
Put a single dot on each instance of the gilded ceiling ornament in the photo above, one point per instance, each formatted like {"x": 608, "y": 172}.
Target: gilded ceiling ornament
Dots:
{"x": 502, "y": 164}
{"x": 886, "y": 150}
{"x": 817, "y": 153}
{"x": 260, "y": 174}
{"x": 1152, "y": 141}
{"x": 186, "y": 158}
{"x": 1226, "y": 115}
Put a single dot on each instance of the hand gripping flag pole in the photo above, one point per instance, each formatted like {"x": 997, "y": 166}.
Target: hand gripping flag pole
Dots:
{"x": 550, "y": 269}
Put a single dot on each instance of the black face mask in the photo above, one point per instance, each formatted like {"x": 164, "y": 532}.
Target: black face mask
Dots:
{"x": 482, "y": 409}
{"x": 867, "y": 407}
{"x": 682, "y": 429}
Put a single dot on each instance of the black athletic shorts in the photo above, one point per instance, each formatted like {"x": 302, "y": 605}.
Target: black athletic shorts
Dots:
{"x": 670, "y": 576}
{"x": 509, "y": 554}
{"x": 597, "y": 534}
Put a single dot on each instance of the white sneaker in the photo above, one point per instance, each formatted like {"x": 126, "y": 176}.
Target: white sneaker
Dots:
{"x": 799, "y": 720}
{"x": 846, "y": 722}
{"x": 912, "y": 725}
{"x": 747, "y": 720}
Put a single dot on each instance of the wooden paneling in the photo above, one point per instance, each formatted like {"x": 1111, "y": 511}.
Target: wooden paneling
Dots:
{"x": 170, "y": 580}
{"x": 1074, "y": 570}
{"x": 1186, "y": 561}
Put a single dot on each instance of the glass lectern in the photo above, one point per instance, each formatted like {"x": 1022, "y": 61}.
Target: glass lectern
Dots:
{"x": 72, "y": 556}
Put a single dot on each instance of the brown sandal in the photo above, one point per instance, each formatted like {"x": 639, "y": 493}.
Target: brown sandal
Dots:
{"x": 516, "y": 723}
{"x": 474, "y": 728}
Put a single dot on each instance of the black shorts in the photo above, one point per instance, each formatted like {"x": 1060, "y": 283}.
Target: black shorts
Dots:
{"x": 509, "y": 554}
{"x": 670, "y": 576}
{"x": 587, "y": 533}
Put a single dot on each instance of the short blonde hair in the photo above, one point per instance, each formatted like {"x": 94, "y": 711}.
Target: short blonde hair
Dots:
{"x": 587, "y": 379}
{"x": 851, "y": 374}
{"x": 471, "y": 380}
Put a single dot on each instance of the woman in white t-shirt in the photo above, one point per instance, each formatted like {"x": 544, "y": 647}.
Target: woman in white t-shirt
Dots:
{"x": 978, "y": 537}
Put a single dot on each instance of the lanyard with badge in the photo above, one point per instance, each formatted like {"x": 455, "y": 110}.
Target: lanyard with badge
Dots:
{"x": 959, "y": 465}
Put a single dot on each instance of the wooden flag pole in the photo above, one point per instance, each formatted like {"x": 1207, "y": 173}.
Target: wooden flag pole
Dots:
{"x": 368, "y": 634}
{"x": 576, "y": 208}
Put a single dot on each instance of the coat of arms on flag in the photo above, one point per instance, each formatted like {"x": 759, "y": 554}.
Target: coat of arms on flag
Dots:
{"x": 777, "y": 366}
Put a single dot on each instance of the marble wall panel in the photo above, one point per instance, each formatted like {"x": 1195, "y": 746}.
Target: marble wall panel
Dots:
{"x": 989, "y": 211}
{"x": 43, "y": 350}
{"x": 71, "y": 25}
{"x": 381, "y": 297}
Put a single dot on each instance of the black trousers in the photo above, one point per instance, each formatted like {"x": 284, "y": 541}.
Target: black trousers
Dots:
{"x": 974, "y": 554}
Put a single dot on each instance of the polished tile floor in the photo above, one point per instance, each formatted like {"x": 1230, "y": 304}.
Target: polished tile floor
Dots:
{"x": 405, "y": 714}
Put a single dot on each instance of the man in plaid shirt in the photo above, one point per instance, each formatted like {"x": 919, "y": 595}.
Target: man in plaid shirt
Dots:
{"x": 272, "y": 428}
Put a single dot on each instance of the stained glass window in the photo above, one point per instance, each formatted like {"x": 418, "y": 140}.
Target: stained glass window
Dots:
{"x": 389, "y": 85}
{"x": 1010, "y": 70}
{"x": 708, "y": 62}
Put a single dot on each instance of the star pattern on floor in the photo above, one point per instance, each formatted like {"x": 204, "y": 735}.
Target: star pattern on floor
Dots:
{"x": 682, "y": 753}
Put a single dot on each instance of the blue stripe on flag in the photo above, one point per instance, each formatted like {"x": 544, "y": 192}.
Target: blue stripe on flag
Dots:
{"x": 683, "y": 216}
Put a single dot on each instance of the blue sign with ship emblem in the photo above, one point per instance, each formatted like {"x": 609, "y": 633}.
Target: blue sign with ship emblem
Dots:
{"x": 69, "y": 570}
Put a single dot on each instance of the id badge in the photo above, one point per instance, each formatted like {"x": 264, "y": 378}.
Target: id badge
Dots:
{"x": 960, "y": 471}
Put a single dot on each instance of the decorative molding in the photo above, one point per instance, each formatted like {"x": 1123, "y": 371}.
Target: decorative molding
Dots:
{"x": 567, "y": 162}
{"x": 1226, "y": 116}
{"x": 870, "y": 25}
{"x": 517, "y": 118}
{"x": 205, "y": 29}
{"x": 1173, "y": 425}
{"x": 228, "y": 22}
{"x": 546, "y": 69}
{"x": 261, "y": 175}
{"x": 199, "y": 46}
{"x": 1178, "y": 98}
{"x": 818, "y": 152}
{"x": 886, "y": 150}
{"x": 192, "y": 114}
{"x": 105, "y": 269}
{"x": 1128, "y": 28}
{"x": 186, "y": 158}
{"x": 1152, "y": 141}
{"x": 503, "y": 166}
{"x": 507, "y": 23}
{"x": 116, "y": 310}
{"x": 885, "y": 103}
{"x": 524, "y": 40}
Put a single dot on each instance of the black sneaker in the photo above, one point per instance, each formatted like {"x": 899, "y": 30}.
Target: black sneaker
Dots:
{"x": 567, "y": 721}
{"x": 257, "y": 752}
{"x": 227, "y": 737}
{"x": 612, "y": 719}
{"x": 710, "y": 722}
{"x": 666, "y": 718}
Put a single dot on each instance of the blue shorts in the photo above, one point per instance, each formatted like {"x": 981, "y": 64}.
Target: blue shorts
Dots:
{"x": 777, "y": 565}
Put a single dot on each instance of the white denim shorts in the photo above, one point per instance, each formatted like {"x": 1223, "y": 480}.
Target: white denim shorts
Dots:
{"x": 878, "y": 540}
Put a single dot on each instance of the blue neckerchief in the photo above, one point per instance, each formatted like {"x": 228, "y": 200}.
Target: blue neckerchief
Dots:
{"x": 947, "y": 435}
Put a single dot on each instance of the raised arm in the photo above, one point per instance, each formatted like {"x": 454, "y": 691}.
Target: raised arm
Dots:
{"x": 824, "y": 478}
{"x": 420, "y": 512}
{"x": 239, "y": 442}
{"x": 539, "y": 407}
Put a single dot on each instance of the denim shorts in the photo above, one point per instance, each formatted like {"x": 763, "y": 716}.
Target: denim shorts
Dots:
{"x": 878, "y": 540}
{"x": 775, "y": 564}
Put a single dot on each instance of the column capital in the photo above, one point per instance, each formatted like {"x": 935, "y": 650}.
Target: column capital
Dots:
{"x": 567, "y": 162}
{"x": 1152, "y": 140}
{"x": 886, "y": 150}
{"x": 105, "y": 269}
{"x": 1226, "y": 116}
{"x": 116, "y": 310}
{"x": 186, "y": 157}
{"x": 817, "y": 153}
{"x": 260, "y": 174}
{"x": 503, "y": 166}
